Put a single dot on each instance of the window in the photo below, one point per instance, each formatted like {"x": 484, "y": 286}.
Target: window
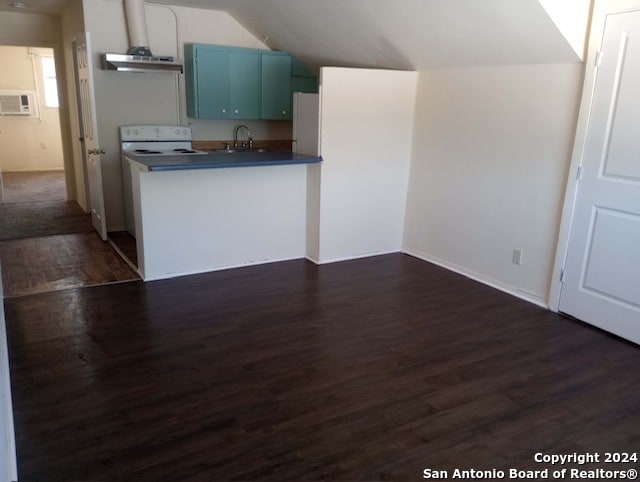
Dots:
{"x": 50, "y": 84}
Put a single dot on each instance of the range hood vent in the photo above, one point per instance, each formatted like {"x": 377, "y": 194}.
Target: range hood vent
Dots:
{"x": 140, "y": 63}
{"x": 139, "y": 58}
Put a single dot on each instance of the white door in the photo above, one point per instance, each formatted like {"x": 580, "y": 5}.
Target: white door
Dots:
{"x": 89, "y": 137}
{"x": 601, "y": 283}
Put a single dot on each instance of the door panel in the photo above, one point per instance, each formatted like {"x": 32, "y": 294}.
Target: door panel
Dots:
{"x": 623, "y": 143}
{"x": 88, "y": 121}
{"x": 213, "y": 83}
{"x": 244, "y": 80}
{"x": 612, "y": 256}
{"x": 276, "y": 86}
{"x": 602, "y": 271}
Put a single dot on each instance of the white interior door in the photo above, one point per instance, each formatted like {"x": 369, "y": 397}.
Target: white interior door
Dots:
{"x": 601, "y": 283}
{"x": 89, "y": 137}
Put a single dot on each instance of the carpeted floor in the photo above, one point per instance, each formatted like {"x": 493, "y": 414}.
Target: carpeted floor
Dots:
{"x": 34, "y": 204}
{"x": 33, "y": 186}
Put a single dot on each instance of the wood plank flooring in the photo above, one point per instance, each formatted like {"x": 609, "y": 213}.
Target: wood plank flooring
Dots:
{"x": 372, "y": 369}
{"x": 50, "y": 263}
{"x": 47, "y": 243}
{"x": 126, "y": 244}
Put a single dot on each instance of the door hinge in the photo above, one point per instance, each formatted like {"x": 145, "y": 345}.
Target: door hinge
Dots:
{"x": 598, "y": 58}
{"x": 562, "y": 276}
{"x": 579, "y": 173}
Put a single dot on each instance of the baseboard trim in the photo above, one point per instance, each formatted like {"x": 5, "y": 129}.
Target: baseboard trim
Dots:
{"x": 351, "y": 258}
{"x": 219, "y": 268}
{"x": 511, "y": 290}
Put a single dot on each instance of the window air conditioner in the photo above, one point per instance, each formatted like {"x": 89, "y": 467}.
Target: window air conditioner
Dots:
{"x": 16, "y": 103}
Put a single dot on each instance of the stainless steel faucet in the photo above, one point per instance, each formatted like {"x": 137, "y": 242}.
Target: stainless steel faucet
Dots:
{"x": 249, "y": 143}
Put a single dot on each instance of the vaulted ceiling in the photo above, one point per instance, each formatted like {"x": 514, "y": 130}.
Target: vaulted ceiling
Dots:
{"x": 403, "y": 34}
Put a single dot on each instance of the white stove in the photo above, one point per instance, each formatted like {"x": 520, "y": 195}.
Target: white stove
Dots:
{"x": 157, "y": 140}
{"x": 150, "y": 140}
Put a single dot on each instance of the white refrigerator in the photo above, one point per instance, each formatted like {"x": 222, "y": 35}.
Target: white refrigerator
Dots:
{"x": 306, "y": 124}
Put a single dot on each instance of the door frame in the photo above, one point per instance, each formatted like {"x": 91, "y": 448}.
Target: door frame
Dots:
{"x": 601, "y": 9}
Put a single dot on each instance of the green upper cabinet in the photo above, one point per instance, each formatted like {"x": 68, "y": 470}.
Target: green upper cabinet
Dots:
{"x": 301, "y": 79}
{"x": 244, "y": 84}
{"x": 238, "y": 83}
{"x": 222, "y": 82}
{"x": 276, "y": 85}
{"x": 209, "y": 83}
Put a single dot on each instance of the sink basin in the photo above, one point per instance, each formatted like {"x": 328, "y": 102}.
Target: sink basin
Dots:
{"x": 227, "y": 151}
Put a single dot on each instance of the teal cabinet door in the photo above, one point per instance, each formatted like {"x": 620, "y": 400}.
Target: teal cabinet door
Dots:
{"x": 298, "y": 69}
{"x": 244, "y": 81}
{"x": 276, "y": 85}
{"x": 301, "y": 79}
{"x": 213, "y": 83}
{"x": 237, "y": 83}
{"x": 308, "y": 85}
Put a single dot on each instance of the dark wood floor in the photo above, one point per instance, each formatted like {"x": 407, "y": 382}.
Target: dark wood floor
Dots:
{"x": 51, "y": 263}
{"x": 48, "y": 244}
{"x": 372, "y": 369}
{"x": 126, "y": 244}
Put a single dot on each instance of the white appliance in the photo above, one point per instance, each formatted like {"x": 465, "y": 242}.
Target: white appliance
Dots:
{"x": 306, "y": 124}
{"x": 150, "y": 140}
{"x": 18, "y": 103}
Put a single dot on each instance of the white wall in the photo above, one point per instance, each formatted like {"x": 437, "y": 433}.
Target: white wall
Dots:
{"x": 135, "y": 98}
{"x": 28, "y": 143}
{"x": 366, "y": 119}
{"x": 8, "y": 462}
{"x": 18, "y": 28}
{"x": 491, "y": 153}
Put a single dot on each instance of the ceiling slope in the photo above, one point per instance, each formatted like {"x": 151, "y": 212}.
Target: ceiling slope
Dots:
{"x": 404, "y": 34}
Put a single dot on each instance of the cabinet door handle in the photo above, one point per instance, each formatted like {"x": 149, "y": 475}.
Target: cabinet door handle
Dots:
{"x": 236, "y": 111}
{"x": 224, "y": 111}
{"x": 284, "y": 112}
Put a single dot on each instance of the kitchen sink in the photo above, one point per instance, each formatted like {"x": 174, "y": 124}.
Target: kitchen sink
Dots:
{"x": 233, "y": 151}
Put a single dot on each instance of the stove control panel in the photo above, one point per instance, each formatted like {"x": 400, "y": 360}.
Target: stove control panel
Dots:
{"x": 140, "y": 133}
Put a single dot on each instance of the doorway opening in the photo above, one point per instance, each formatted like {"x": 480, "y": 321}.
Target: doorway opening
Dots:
{"x": 34, "y": 191}
{"x": 47, "y": 240}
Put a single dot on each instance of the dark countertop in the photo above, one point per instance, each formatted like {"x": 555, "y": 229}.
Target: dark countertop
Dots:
{"x": 213, "y": 160}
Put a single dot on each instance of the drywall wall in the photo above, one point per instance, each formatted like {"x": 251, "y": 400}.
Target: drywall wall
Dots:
{"x": 151, "y": 98}
{"x": 491, "y": 152}
{"x": 366, "y": 125}
{"x": 18, "y": 28}
{"x": 28, "y": 143}
{"x": 8, "y": 461}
